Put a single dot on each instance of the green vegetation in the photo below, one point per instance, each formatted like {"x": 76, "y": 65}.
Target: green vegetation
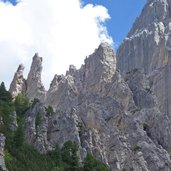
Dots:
{"x": 136, "y": 148}
{"x": 5, "y": 96}
{"x": 91, "y": 164}
{"x": 69, "y": 156}
{"x": 22, "y": 157}
{"x": 38, "y": 120}
{"x": 49, "y": 110}
{"x": 21, "y": 104}
{"x": 6, "y": 108}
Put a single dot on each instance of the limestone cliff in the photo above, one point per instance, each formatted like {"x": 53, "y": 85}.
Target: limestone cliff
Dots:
{"x": 117, "y": 121}
{"x": 35, "y": 88}
{"x": 121, "y": 117}
{"x": 18, "y": 85}
{"x": 147, "y": 47}
{"x": 32, "y": 86}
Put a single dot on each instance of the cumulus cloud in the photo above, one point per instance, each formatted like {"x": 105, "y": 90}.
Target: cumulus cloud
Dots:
{"x": 63, "y": 32}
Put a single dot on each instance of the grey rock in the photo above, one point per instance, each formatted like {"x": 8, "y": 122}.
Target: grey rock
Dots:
{"x": 147, "y": 47}
{"x": 62, "y": 88}
{"x": 140, "y": 86}
{"x": 2, "y": 145}
{"x": 117, "y": 121}
{"x": 14, "y": 124}
{"x": 99, "y": 67}
{"x": 122, "y": 118}
{"x": 36, "y": 127}
{"x": 35, "y": 88}
{"x": 32, "y": 86}
{"x": 18, "y": 84}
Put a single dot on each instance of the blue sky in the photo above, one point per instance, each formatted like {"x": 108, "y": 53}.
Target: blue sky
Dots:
{"x": 123, "y": 13}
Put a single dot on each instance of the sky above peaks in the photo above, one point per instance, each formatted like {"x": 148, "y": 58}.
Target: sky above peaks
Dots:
{"x": 63, "y": 32}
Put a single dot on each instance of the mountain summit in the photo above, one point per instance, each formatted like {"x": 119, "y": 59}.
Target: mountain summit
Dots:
{"x": 147, "y": 47}
{"x": 119, "y": 112}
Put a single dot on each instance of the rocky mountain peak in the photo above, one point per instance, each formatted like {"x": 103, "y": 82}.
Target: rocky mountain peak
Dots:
{"x": 36, "y": 67}
{"x": 122, "y": 119}
{"x": 20, "y": 68}
{"x": 32, "y": 86}
{"x": 35, "y": 88}
{"x": 101, "y": 65}
{"x": 18, "y": 84}
{"x": 116, "y": 121}
{"x": 105, "y": 54}
{"x": 56, "y": 80}
{"x": 72, "y": 70}
{"x": 147, "y": 47}
{"x": 155, "y": 11}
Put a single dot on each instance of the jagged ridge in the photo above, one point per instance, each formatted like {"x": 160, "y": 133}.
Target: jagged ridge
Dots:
{"x": 118, "y": 122}
{"x": 123, "y": 122}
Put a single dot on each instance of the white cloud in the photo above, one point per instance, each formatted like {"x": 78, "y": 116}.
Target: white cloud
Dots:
{"x": 64, "y": 32}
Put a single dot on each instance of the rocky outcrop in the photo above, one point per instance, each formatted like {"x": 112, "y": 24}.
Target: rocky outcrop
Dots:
{"x": 118, "y": 122}
{"x": 35, "y": 88}
{"x": 99, "y": 67}
{"x": 18, "y": 84}
{"x": 32, "y": 86}
{"x": 14, "y": 124}
{"x": 121, "y": 118}
{"x": 147, "y": 47}
{"x": 35, "y": 131}
{"x": 2, "y": 145}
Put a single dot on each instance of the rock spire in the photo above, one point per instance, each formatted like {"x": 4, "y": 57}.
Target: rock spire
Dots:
{"x": 18, "y": 84}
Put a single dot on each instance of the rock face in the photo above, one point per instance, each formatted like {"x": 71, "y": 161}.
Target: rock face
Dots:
{"x": 14, "y": 124}
{"x": 98, "y": 70}
{"x": 121, "y": 118}
{"x": 18, "y": 84}
{"x": 147, "y": 47}
{"x": 2, "y": 144}
{"x": 32, "y": 86}
{"x": 35, "y": 88}
{"x": 117, "y": 121}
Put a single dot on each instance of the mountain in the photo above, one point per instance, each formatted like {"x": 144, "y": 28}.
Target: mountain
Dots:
{"x": 148, "y": 47}
{"x": 116, "y": 107}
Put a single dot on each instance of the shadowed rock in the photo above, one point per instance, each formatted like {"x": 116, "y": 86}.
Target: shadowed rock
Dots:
{"x": 2, "y": 160}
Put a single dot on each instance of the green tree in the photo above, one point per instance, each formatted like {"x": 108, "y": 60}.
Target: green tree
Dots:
{"x": 55, "y": 155}
{"x": 69, "y": 156}
{"x": 91, "y": 164}
{"x": 58, "y": 169}
{"x": 21, "y": 104}
{"x": 49, "y": 110}
{"x": 19, "y": 137}
{"x": 4, "y": 94}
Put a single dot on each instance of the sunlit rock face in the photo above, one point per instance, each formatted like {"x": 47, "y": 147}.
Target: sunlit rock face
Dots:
{"x": 122, "y": 118}
{"x": 98, "y": 69}
{"x": 117, "y": 120}
{"x": 147, "y": 47}
{"x": 35, "y": 88}
{"x": 32, "y": 86}
{"x": 18, "y": 84}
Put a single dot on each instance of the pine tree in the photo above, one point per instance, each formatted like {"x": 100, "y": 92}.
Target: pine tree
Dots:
{"x": 69, "y": 156}
{"x": 4, "y": 94}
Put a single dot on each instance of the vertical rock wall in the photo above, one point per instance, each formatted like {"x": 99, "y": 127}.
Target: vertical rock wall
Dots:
{"x": 146, "y": 48}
